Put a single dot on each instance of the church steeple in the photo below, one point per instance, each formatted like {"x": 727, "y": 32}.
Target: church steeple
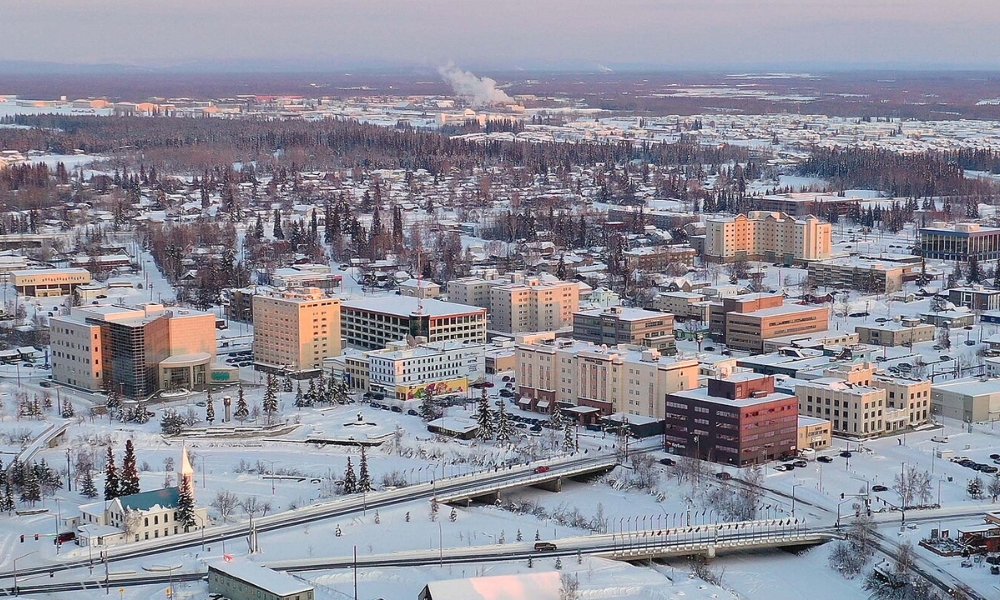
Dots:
{"x": 187, "y": 471}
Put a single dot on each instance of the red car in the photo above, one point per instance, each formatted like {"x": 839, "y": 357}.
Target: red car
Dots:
{"x": 541, "y": 469}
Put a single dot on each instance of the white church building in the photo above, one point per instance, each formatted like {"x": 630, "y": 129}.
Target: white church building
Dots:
{"x": 138, "y": 517}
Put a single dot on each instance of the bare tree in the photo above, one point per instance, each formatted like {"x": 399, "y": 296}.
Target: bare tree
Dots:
{"x": 225, "y": 502}
{"x": 130, "y": 524}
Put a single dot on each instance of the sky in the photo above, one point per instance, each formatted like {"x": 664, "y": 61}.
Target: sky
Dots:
{"x": 506, "y": 34}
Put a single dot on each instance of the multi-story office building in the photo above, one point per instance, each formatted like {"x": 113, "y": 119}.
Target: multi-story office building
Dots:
{"x": 969, "y": 400}
{"x": 684, "y": 305}
{"x": 295, "y": 330}
{"x": 736, "y": 420}
{"x": 848, "y": 397}
{"x": 619, "y": 379}
{"x": 473, "y": 291}
{"x": 44, "y": 283}
{"x": 905, "y": 332}
{"x": 137, "y": 351}
{"x": 868, "y": 275}
{"x": 621, "y": 325}
{"x": 975, "y": 297}
{"x": 907, "y": 396}
{"x": 372, "y": 323}
{"x": 655, "y": 259}
{"x": 960, "y": 242}
{"x": 767, "y": 236}
{"x": 746, "y": 321}
{"x": 405, "y": 373}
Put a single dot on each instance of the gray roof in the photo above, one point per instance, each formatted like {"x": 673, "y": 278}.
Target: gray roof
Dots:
{"x": 280, "y": 584}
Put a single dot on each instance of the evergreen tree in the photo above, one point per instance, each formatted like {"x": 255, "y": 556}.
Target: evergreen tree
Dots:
{"x": 561, "y": 268}
{"x": 974, "y": 275}
{"x": 7, "y": 504}
{"x": 88, "y": 489}
{"x": 569, "y": 436}
{"x": 364, "y": 478}
{"x": 209, "y": 408}
{"x": 242, "y": 412}
{"x": 67, "y": 409}
{"x": 350, "y": 479}
{"x": 270, "y": 404}
{"x": 505, "y": 426}
{"x": 286, "y": 383}
{"x": 111, "y": 485}
{"x": 435, "y": 507}
{"x": 130, "y": 474}
{"x": 185, "y": 504}
{"x": 31, "y": 488}
{"x": 114, "y": 400}
{"x": 278, "y": 233}
{"x": 484, "y": 417}
{"x": 300, "y": 399}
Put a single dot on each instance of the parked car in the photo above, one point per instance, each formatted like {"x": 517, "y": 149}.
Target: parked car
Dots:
{"x": 845, "y": 454}
{"x": 780, "y": 468}
{"x": 801, "y": 464}
{"x": 668, "y": 462}
{"x": 413, "y": 413}
{"x": 879, "y": 488}
{"x": 789, "y": 466}
{"x": 709, "y": 348}
{"x": 723, "y": 476}
{"x": 397, "y": 409}
{"x": 825, "y": 459}
{"x": 988, "y": 469}
{"x": 45, "y": 383}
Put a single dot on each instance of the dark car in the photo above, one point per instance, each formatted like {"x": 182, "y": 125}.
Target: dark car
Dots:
{"x": 506, "y": 393}
{"x": 988, "y": 469}
{"x": 45, "y": 383}
{"x": 789, "y": 466}
{"x": 801, "y": 464}
{"x": 994, "y": 456}
{"x": 535, "y": 428}
{"x": 846, "y": 454}
{"x": 397, "y": 409}
{"x": 668, "y": 462}
{"x": 723, "y": 476}
{"x": 413, "y": 413}
{"x": 825, "y": 459}
{"x": 879, "y": 488}
{"x": 521, "y": 425}
{"x": 709, "y": 348}
{"x": 544, "y": 547}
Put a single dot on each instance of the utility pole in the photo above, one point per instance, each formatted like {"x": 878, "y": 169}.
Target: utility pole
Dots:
{"x": 355, "y": 572}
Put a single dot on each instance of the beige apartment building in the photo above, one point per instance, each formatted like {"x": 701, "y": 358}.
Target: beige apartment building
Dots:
{"x": 624, "y": 325}
{"x": 620, "y": 379}
{"x": 868, "y": 275}
{"x": 295, "y": 330}
{"x": 44, "y": 283}
{"x": 848, "y": 397}
{"x": 533, "y": 305}
{"x": 769, "y": 236}
{"x": 520, "y": 304}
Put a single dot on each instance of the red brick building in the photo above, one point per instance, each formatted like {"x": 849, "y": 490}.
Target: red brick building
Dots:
{"x": 737, "y": 420}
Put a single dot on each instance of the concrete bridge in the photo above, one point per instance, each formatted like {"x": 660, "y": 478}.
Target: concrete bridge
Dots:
{"x": 546, "y": 478}
{"x": 715, "y": 538}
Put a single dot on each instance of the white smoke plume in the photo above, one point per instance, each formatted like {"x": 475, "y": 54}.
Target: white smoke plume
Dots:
{"x": 477, "y": 91}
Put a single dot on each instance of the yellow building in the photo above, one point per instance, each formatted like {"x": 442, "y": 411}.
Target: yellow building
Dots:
{"x": 814, "y": 433}
{"x": 619, "y": 379}
{"x": 848, "y": 398}
{"x": 295, "y": 330}
{"x": 44, "y": 283}
{"x": 767, "y": 236}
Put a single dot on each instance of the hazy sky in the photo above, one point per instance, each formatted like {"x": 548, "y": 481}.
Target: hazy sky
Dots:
{"x": 508, "y": 33}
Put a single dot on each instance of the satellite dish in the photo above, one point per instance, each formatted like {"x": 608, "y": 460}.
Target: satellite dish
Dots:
{"x": 411, "y": 342}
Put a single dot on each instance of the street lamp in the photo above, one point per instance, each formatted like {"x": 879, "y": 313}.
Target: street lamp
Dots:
{"x": 16, "y": 593}
{"x": 793, "y": 497}
{"x": 272, "y": 474}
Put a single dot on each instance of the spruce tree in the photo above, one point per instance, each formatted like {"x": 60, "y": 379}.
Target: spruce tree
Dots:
{"x": 484, "y": 417}
{"x": 505, "y": 426}
{"x": 209, "y": 408}
{"x": 569, "y": 439}
{"x": 185, "y": 504}
{"x": 88, "y": 489}
{"x": 130, "y": 474}
{"x": 242, "y": 412}
{"x": 300, "y": 399}
{"x": 350, "y": 479}
{"x": 364, "y": 478}
{"x": 270, "y": 404}
{"x": 111, "y": 486}
{"x": 31, "y": 489}
{"x": 7, "y": 504}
